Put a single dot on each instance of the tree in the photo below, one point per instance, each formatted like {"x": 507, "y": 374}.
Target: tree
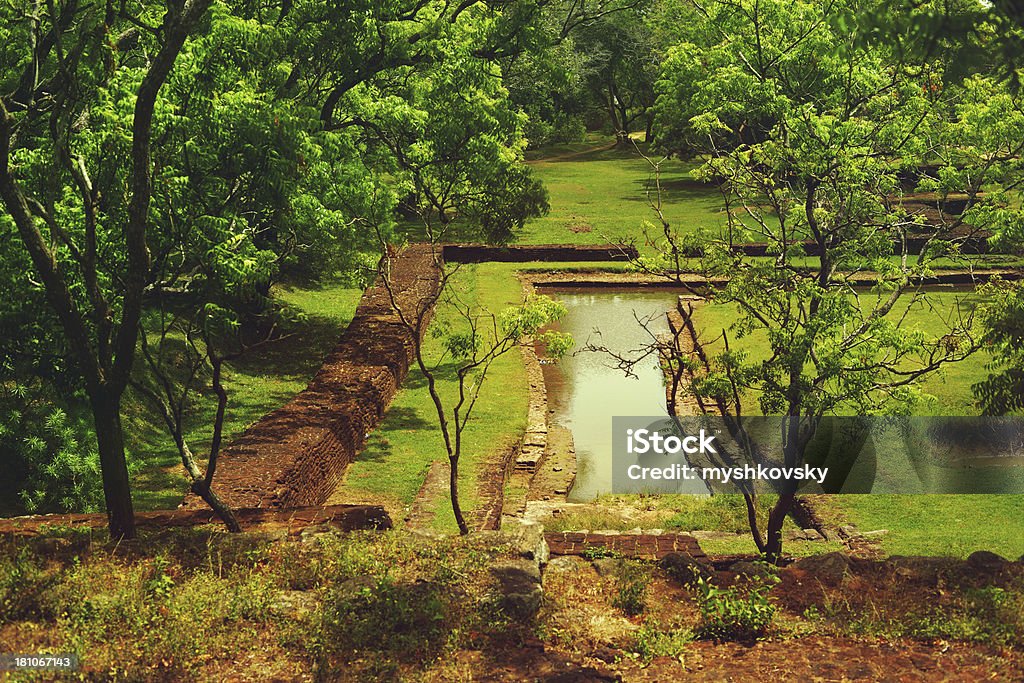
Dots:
{"x": 811, "y": 136}
{"x": 46, "y": 102}
{"x": 473, "y": 338}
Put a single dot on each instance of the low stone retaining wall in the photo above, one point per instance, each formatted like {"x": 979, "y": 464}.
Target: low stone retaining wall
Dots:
{"x": 914, "y": 245}
{"x": 517, "y": 253}
{"x": 690, "y": 282}
{"x": 295, "y": 455}
{"x": 292, "y": 521}
{"x": 642, "y": 546}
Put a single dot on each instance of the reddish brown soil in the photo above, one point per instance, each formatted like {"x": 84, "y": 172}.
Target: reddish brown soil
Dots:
{"x": 811, "y": 658}
{"x": 292, "y": 520}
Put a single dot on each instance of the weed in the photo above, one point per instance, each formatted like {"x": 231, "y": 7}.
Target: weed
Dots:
{"x": 741, "y": 613}
{"x": 597, "y": 552}
{"x": 632, "y": 581}
{"x": 652, "y": 640}
{"x": 23, "y": 587}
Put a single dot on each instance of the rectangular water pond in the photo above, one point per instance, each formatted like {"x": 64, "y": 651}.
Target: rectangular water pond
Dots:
{"x": 586, "y": 388}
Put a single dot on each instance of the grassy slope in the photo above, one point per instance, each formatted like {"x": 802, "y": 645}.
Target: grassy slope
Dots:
{"x": 258, "y": 383}
{"x": 392, "y": 467}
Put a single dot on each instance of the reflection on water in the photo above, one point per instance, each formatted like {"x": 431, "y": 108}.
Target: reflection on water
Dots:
{"x": 585, "y": 389}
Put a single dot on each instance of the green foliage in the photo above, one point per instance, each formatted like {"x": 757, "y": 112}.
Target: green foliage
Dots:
{"x": 1002, "y": 392}
{"x": 597, "y": 552}
{"x": 741, "y": 613}
{"x": 406, "y": 620}
{"x": 50, "y": 455}
{"x": 632, "y": 581}
{"x": 653, "y": 640}
{"x": 24, "y": 584}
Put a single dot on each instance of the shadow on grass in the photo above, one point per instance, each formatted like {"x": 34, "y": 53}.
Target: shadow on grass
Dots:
{"x": 674, "y": 190}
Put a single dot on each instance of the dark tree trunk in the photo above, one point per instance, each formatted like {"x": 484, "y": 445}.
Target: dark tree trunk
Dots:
{"x": 114, "y": 466}
{"x": 453, "y": 485}
{"x": 773, "y": 532}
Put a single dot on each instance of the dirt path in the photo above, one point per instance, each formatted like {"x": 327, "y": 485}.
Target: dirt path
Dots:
{"x": 435, "y": 486}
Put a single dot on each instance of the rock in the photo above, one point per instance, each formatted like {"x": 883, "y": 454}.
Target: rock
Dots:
{"x": 530, "y": 543}
{"x": 686, "y": 568}
{"x": 607, "y": 566}
{"x": 876, "y": 534}
{"x": 986, "y": 561}
{"x": 606, "y": 654}
{"x": 636, "y": 531}
{"x": 829, "y": 567}
{"x": 656, "y": 532}
{"x": 521, "y": 591}
{"x": 566, "y": 563}
{"x": 751, "y": 569}
{"x": 921, "y": 569}
{"x": 847, "y": 531}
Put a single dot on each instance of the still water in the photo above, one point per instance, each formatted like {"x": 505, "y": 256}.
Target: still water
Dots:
{"x": 586, "y": 389}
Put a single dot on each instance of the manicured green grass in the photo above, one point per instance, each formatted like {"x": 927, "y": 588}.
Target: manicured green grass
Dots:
{"x": 953, "y": 525}
{"x": 605, "y": 196}
{"x": 397, "y": 456}
{"x": 264, "y": 379}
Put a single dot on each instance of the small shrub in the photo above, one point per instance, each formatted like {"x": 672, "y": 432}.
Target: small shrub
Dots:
{"x": 632, "y": 581}
{"x": 406, "y": 620}
{"x": 597, "y": 552}
{"x": 24, "y": 585}
{"x": 651, "y": 640}
{"x": 735, "y": 613}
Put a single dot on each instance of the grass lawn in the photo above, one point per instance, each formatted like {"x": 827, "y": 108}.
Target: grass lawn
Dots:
{"x": 601, "y": 196}
{"x": 264, "y": 380}
{"x": 953, "y": 525}
{"x": 397, "y": 456}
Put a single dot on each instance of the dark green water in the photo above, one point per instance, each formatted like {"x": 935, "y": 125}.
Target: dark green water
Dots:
{"x": 585, "y": 389}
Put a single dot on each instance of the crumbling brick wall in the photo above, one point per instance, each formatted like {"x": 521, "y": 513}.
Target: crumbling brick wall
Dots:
{"x": 296, "y": 455}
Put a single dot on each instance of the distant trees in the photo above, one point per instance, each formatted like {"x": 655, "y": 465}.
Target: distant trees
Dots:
{"x": 595, "y": 62}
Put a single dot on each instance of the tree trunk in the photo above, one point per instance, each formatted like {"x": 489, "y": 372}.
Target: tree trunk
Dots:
{"x": 773, "y": 532}
{"x": 453, "y": 485}
{"x": 114, "y": 467}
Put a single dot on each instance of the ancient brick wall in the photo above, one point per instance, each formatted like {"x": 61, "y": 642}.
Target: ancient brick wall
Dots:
{"x": 644, "y": 546}
{"x": 295, "y": 455}
{"x": 292, "y": 521}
